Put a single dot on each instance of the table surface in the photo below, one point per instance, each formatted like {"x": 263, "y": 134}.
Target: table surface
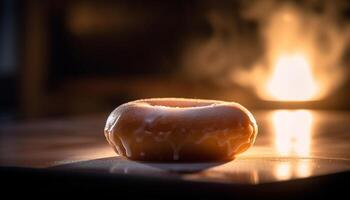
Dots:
{"x": 291, "y": 144}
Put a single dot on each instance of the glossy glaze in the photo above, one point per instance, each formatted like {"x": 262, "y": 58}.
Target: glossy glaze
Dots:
{"x": 170, "y": 129}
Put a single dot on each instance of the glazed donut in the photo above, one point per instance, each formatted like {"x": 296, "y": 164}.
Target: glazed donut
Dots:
{"x": 174, "y": 129}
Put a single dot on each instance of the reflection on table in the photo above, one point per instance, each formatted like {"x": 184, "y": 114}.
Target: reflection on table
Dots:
{"x": 291, "y": 144}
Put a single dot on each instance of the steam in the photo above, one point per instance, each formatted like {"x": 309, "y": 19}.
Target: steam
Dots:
{"x": 315, "y": 29}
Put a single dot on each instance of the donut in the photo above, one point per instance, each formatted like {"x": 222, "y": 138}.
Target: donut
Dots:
{"x": 180, "y": 130}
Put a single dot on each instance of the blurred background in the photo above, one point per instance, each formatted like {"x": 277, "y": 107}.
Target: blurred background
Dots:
{"x": 67, "y": 58}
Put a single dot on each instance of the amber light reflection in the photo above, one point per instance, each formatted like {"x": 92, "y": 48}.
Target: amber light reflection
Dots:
{"x": 293, "y": 132}
{"x": 293, "y": 137}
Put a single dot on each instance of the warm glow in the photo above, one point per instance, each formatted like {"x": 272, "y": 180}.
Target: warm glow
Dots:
{"x": 283, "y": 171}
{"x": 296, "y": 64}
{"x": 293, "y": 130}
{"x": 303, "y": 169}
{"x": 293, "y": 137}
{"x": 292, "y": 79}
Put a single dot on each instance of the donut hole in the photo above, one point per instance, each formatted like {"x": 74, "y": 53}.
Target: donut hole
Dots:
{"x": 178, "y": 103}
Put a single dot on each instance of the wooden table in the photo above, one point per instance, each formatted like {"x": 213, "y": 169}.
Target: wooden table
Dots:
{"x": 291, "y": 145}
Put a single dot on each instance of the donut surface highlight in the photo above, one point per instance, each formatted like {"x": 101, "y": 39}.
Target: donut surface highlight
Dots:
{"x": 180, "y": 130}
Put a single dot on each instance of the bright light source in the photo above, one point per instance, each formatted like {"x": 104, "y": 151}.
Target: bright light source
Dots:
{"x": 292, "y": 79}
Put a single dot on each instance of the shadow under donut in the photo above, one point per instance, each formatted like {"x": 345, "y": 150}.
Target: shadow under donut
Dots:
{"x": 118, "y": 165}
